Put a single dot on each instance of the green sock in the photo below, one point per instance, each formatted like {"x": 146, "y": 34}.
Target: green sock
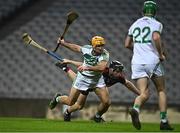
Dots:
{"x": 163, "y": 115}
{"x": 136, "y": 107}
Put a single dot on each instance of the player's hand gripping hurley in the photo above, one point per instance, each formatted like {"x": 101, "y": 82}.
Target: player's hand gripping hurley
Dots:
{"x": 71, "y": 16}
{"x": 29, "y": 41}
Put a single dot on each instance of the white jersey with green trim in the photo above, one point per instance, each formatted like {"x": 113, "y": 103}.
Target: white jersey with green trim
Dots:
{"x": 91, "y": 60}
{"x": 144, "y": 49}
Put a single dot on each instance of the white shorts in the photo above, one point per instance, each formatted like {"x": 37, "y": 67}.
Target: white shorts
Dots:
{"x": 145, "y": 70}
{"x": 84, "y": 83}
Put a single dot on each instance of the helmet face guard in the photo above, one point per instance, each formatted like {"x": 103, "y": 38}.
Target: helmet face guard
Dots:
{"x": 116, "y": 66}
{"x": 149, "y": 8}
{"x": 97, "y": 41}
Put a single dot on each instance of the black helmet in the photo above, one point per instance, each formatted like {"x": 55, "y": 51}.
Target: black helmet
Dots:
{"x": 116, "y": 65}
{"x": 149, "y": 8}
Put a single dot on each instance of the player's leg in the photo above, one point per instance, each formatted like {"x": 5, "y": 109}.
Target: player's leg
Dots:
{"x": 129, "y": 85}
{"x": 79, "y": 103}
{"x": 70, "y": 73}
{"x": 68, "y": 100}
{"x": 77, "y": 106}
{"x": 71, "y": 99}
{"x": 105, "y": 102}
{"x": 159, "y": 82}
{"x": 142, "y": 85}
{"x": 139, "y": 74}
{"x": 82, "y": 85}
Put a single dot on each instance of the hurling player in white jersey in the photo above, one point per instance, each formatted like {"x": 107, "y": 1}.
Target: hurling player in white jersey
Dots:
{"x": 144, "y": 39}
{"x": 89, "y": 75}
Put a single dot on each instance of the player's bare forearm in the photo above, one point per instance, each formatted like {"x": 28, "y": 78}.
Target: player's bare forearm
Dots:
{"x": 99, "y": 67}
{"x": 157, "y": 41}
{"x": 158, "y": 46}
{"x": 71, "y": 46}
{"x": 76, "y": 63}
{"x": 165, "y": 52}
{"x": 129, "y": 43}
{"x": 129, "y": 85}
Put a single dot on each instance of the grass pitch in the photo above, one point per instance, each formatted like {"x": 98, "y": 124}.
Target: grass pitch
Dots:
{"x": 44, "y": 125}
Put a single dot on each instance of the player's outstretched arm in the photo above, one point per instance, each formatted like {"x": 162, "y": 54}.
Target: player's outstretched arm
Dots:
{"x": 99, "y": 67}
{"x": 71, "y": 46}
{"x": 70, "y": 73}
{"x": 129, "y": 85}
{"x": 75, "y": 63}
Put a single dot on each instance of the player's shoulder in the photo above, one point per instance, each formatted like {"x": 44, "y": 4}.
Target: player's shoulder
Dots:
{"x": 135, "y": 22}
{"x": 150, "y": 20}
{"x": 157, "y": 24}
{"x": 106, "y": 52}
{"x": 138, "y": 20}
{"x": 142, "y": 20}
{"x": 87, "y": 46}
{"x": 155, "y": 20}
{"x": 86, "y": 49}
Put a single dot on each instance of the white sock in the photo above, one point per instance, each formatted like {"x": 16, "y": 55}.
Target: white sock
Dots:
{"x": 163, "y": 120}
{"x": 57, "y": 99}
{"x": 137, "y": 109}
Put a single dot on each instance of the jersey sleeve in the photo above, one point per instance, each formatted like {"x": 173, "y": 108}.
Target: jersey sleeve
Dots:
{"x": 158, "y": 28}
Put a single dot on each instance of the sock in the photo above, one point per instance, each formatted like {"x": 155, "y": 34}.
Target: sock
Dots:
{"x": 66, "y": 69}
{"x": 58, "y": 99}
{"x": 136, "y": 107}
{"x": 163, "y": 116}
{"x": 67, "y": 112}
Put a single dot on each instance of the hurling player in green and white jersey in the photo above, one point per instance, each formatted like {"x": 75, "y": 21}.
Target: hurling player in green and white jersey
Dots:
{"x": 144, "y": 38}
{"x": 89, "y": 75}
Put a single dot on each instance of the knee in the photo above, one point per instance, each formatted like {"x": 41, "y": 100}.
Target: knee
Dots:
{"x": 144, "y": 96}
{"x": 79, "y": 106}
{"x": 70, "y": 103}
{"x": 161, "y": 90}
{"x": 162, "y": 93}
